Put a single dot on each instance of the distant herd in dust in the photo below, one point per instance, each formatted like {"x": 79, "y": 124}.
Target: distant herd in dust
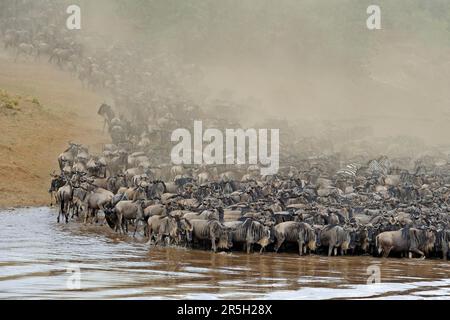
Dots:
{"x": 323, "y": 203}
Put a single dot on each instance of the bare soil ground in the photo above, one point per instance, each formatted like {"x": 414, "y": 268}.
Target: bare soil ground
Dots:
{"x": 41, "y": 109}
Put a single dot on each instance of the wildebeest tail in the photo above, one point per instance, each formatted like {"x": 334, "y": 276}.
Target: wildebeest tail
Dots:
{"x": 379, "y": 249}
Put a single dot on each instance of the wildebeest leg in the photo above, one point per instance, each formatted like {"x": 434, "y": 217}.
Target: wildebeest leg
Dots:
{"x": 125, "y": 225}
{"x": 300, "y": 248}
{"x": 136, "y": 225}
{"x": 120, "y": 224}
{"x": 386, "y": 252}
{"x": 150, "y": 236}
{"x": 66, "y": 213}
{"x": 330, "y": 249}
{"x": 279, "y": 243}
{"x": 422, "y": 255}
{"x": 95, "y": 216}
{"x": 146, "y": 230}
{"x": 178, "y": 240}
{"x": 85, "y": 215}
{"x": 61, "y": 208}
{"x": 72, "y": 210}
{"x": 158, "y": 239}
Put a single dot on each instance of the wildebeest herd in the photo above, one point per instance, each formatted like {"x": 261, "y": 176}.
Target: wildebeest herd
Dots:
{"x": 375, "y": 208}
{"x": 369, "y": 212}
{"x": 325, "y": 202}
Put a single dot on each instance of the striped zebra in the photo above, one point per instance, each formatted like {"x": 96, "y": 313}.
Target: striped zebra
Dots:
{"x": 406, "y": 177}
{"x": 381, "y": 166}
{"x": 349, "y": 171}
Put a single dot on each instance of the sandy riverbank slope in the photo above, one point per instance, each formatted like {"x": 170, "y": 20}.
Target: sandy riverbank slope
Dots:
{"x": 41, "y": 109}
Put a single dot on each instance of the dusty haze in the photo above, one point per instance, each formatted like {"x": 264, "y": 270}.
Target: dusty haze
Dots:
{"x": 306, "y": 61}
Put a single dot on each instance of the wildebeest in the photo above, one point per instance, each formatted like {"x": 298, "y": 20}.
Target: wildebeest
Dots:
{"x": 406, "y": 240}
{"x": 173, "y": 228}
{"x": 123, "y": 212}
{"x": 298, "y": 232}
{"x": 249, "y": 233}
{"x": 442, "y": 242}
{"x": 69, "y": 155}
{"x": 334, "y": 237}
{"x": 63, "y": 198}
{"x": 155, "y": 210}
{"x": 56, "y": 183}
{"x": 160, "y": 227}
{"x": 360, "y": 238}
{"x": 107, "y": 113}
{"x": 204, "y": 215}
{"x": 24, "y": 48}
{"x": 60, "y": 55}
{"x": 214, "y": 231}
{"x": 95, "y": 200}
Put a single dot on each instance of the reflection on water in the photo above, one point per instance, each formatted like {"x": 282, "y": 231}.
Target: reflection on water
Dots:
{"x": 35, "y": 253}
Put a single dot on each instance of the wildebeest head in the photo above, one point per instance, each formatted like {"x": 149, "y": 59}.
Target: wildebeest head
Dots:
{"x": 424, "y": 239}
{"x": 106, "y": 111}
{"x": 56, "y": 183}
{"x": 308, "y": 236}
{"x": 265, "y": 234}
{"x": 225, "y": 238}
{"x": 354, "y": 237}
{"x": 185, "y": 227}
{"x": 141, "y": 205}
{"x": 169, "y": 227}
{"x": 346, "y": 240}
{"x": 111, "y": 218}
{"x": 365, "y": 237}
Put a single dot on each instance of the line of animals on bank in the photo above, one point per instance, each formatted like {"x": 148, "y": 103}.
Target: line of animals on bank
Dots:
{"x": 328, "y": 202}
{"x": 374, "y": 209}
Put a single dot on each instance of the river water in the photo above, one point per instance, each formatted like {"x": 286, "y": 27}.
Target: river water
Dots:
{"x": 40, "y": 259}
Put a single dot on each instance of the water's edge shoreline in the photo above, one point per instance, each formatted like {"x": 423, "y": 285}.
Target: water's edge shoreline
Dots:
{"x": 22, "y": 207}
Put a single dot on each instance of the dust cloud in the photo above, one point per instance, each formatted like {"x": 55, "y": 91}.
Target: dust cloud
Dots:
{"x": 314, "y": 64}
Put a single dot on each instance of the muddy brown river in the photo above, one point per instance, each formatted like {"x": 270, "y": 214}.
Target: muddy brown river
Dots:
{"x": 40, "y": 259}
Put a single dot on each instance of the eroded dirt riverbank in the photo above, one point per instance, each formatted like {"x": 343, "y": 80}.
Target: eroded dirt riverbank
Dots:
{"x": 41, "y": 109}
{"x": 36, "y": 253}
